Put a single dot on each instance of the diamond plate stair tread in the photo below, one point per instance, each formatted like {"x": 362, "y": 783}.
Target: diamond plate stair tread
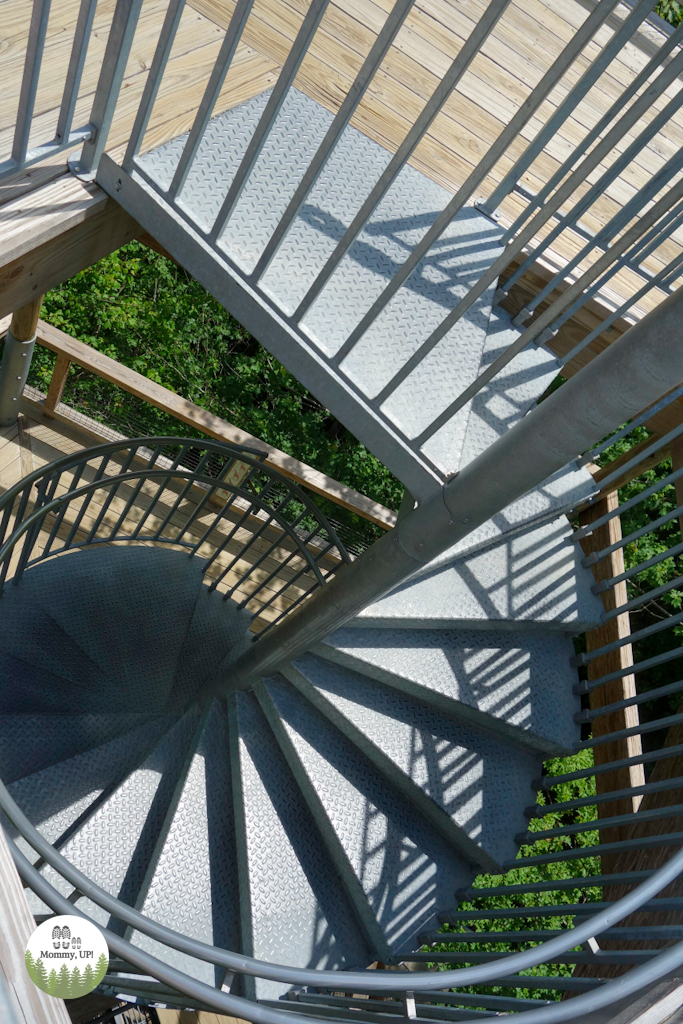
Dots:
{"x": 511, "y": 393}
{"x": 30, "y": 633}
{"x": 128, "y": 607}
{"x": 406, "y": 870}
{"x": 217, "y": 628}
{"x": 114, "y": 845}
{"x": 54, "y": 798}
{"x": 518, "y": 683}
{"x": 456, "y": 260}
{"x": 30, "y": 689}
{"x": 30, "y": 743}
{"x": 561, "y": 492}
{"x": 479, "y": 780}
{"x": 293, "y": 909}
{"x": 532, "y": 579}
{"x": 192, "y": 885}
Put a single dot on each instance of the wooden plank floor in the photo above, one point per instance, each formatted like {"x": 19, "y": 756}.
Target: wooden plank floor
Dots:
{"x": 256, "y": 558}
{"x": 526, "y": 41}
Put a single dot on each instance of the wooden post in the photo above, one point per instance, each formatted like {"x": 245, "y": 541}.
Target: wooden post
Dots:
{"x": 57, "y": 382}
{"x": 17, "y": 925}
{"x": 618, "y": 689}
{"x": 25, "y": 320}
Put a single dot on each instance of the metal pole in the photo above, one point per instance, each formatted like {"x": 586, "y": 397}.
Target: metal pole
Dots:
{"x": 16, "y": 360}
{"x": 634, "y": 372}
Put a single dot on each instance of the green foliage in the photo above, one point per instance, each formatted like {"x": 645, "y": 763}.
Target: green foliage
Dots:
{"x": 143, "y": 310}
{"x": 670, "y": 10}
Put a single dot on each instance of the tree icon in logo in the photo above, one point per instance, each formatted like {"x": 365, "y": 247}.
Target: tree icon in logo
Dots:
{"x": 67, "y": 957}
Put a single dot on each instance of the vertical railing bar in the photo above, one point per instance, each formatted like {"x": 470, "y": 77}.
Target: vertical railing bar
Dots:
{"x": 211, "y": 94}
{"x": 279, "y": 569}
{"x": 119, "y": 43}
{"x": 77, "y": 474}
{"x": 287, "y": 584}
{"x": 547, "y": 317}
{"x": 637, "y": 16}
{"x": 183, "y": 494}
{"x": 86, "y": 501}
{"x": 29, "y": 82}
{"x": 224, "y": 511}
{"x": 255, "y": 537}
{"x": 630, "y": 209}
{"x": 276, "y": 543}
{"x": 670, "y": 268}
{"x": 639, "y": 251}
{"x": 135, "y": 492}
{"x": 530, "y": 230}
{"x": 79, "y": 50}
{"x": 496, "y": 151}
{"x": 112, "y": 493}
{"x": 220, "y": 481}
{"x": 182, "y": 450}
{"x": 431, "y": 109}
{"x": 149, "y": 95}
{"x": 290, "y": 68}
{"x": 379, "y": 50}
{"x": 616, "y": 109}
{"x": 32, "y": 534}
{"x": 286, "y": 611}
{"x": 224, "y": 543}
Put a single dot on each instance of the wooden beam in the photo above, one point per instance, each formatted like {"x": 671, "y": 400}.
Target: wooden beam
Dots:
{"x": 213, "y": 426}
{"x": 39, "y": 250}
{"x": 32, "y": 1005}
{"x": 618, "y": 689}
{"x": 56, "y": 389}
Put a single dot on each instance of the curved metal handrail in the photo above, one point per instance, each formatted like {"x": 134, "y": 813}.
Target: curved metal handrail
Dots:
{"x": 629, "y": 984}
{"x": 366, "y": 981}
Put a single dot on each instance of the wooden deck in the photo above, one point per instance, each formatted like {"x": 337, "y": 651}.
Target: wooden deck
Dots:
{"x": 526, "y": 41}
{"x": 38, "y": 440}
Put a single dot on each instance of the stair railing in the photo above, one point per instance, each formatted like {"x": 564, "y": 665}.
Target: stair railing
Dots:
{"x": 263, "y": 543}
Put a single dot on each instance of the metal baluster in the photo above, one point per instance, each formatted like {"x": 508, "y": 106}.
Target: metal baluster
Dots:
{"x": 86, "y": 502}
{"x": 224, "y": 511}
{"x": 116, "y": 55}
{"x": 547, "y": 317}
{"x": 18, "y": 520}
{"x": 468, "y": 52}
{"x": 615, "y": 110}
{"x": 379, "y": 50}
{"x": 112, "y": 493}
{"x": 199, "y": 508}
{"x": 569, "y": 104}
{"x": 161, "y": 55}
{"x": 270, "y": 519}
{"x": 79, "y": 50}
{"x": 576, "y": 179}
{"x": 268, "y": 552}
{"x": 29, "y": 82}
{"x": 32, "y": 534}
{"x": 133, "y": 497}
{"x": 183, "y": 494}
{"x": 279, "y": 568}
{"x": 302, "y": 572}
{"x": 277, "y": 97}
{"x": 211, "y": 94}
{"x": 78, "y": 472}
{"x": 159, "y": 491}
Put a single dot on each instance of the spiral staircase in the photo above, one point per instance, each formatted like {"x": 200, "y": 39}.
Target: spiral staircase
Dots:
{"x": 256, "y": 810}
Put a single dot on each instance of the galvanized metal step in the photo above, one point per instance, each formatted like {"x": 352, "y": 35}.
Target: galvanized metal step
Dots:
{"x": 114, "y": 845}
{"x": 293, "y": 908}
{"x": 479, "y": 780}
{"x": 517, "y": 684}
{"x": 527, "y": 580}
{"x": 392, "y": 849}
{"x": 191, "y": 884}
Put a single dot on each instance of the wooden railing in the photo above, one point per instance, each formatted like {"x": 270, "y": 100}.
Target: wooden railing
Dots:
{"x": 69, "y": 350}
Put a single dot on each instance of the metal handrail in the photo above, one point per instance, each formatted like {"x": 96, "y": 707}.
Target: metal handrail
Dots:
{"x": 268, "y": 505}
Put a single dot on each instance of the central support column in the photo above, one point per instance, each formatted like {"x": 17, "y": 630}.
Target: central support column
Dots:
{"x": 16, "y": 360}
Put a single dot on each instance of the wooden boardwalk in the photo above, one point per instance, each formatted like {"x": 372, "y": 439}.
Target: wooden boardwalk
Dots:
{"x": 526, "y": 41}
{"x": 277, "y": 578}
